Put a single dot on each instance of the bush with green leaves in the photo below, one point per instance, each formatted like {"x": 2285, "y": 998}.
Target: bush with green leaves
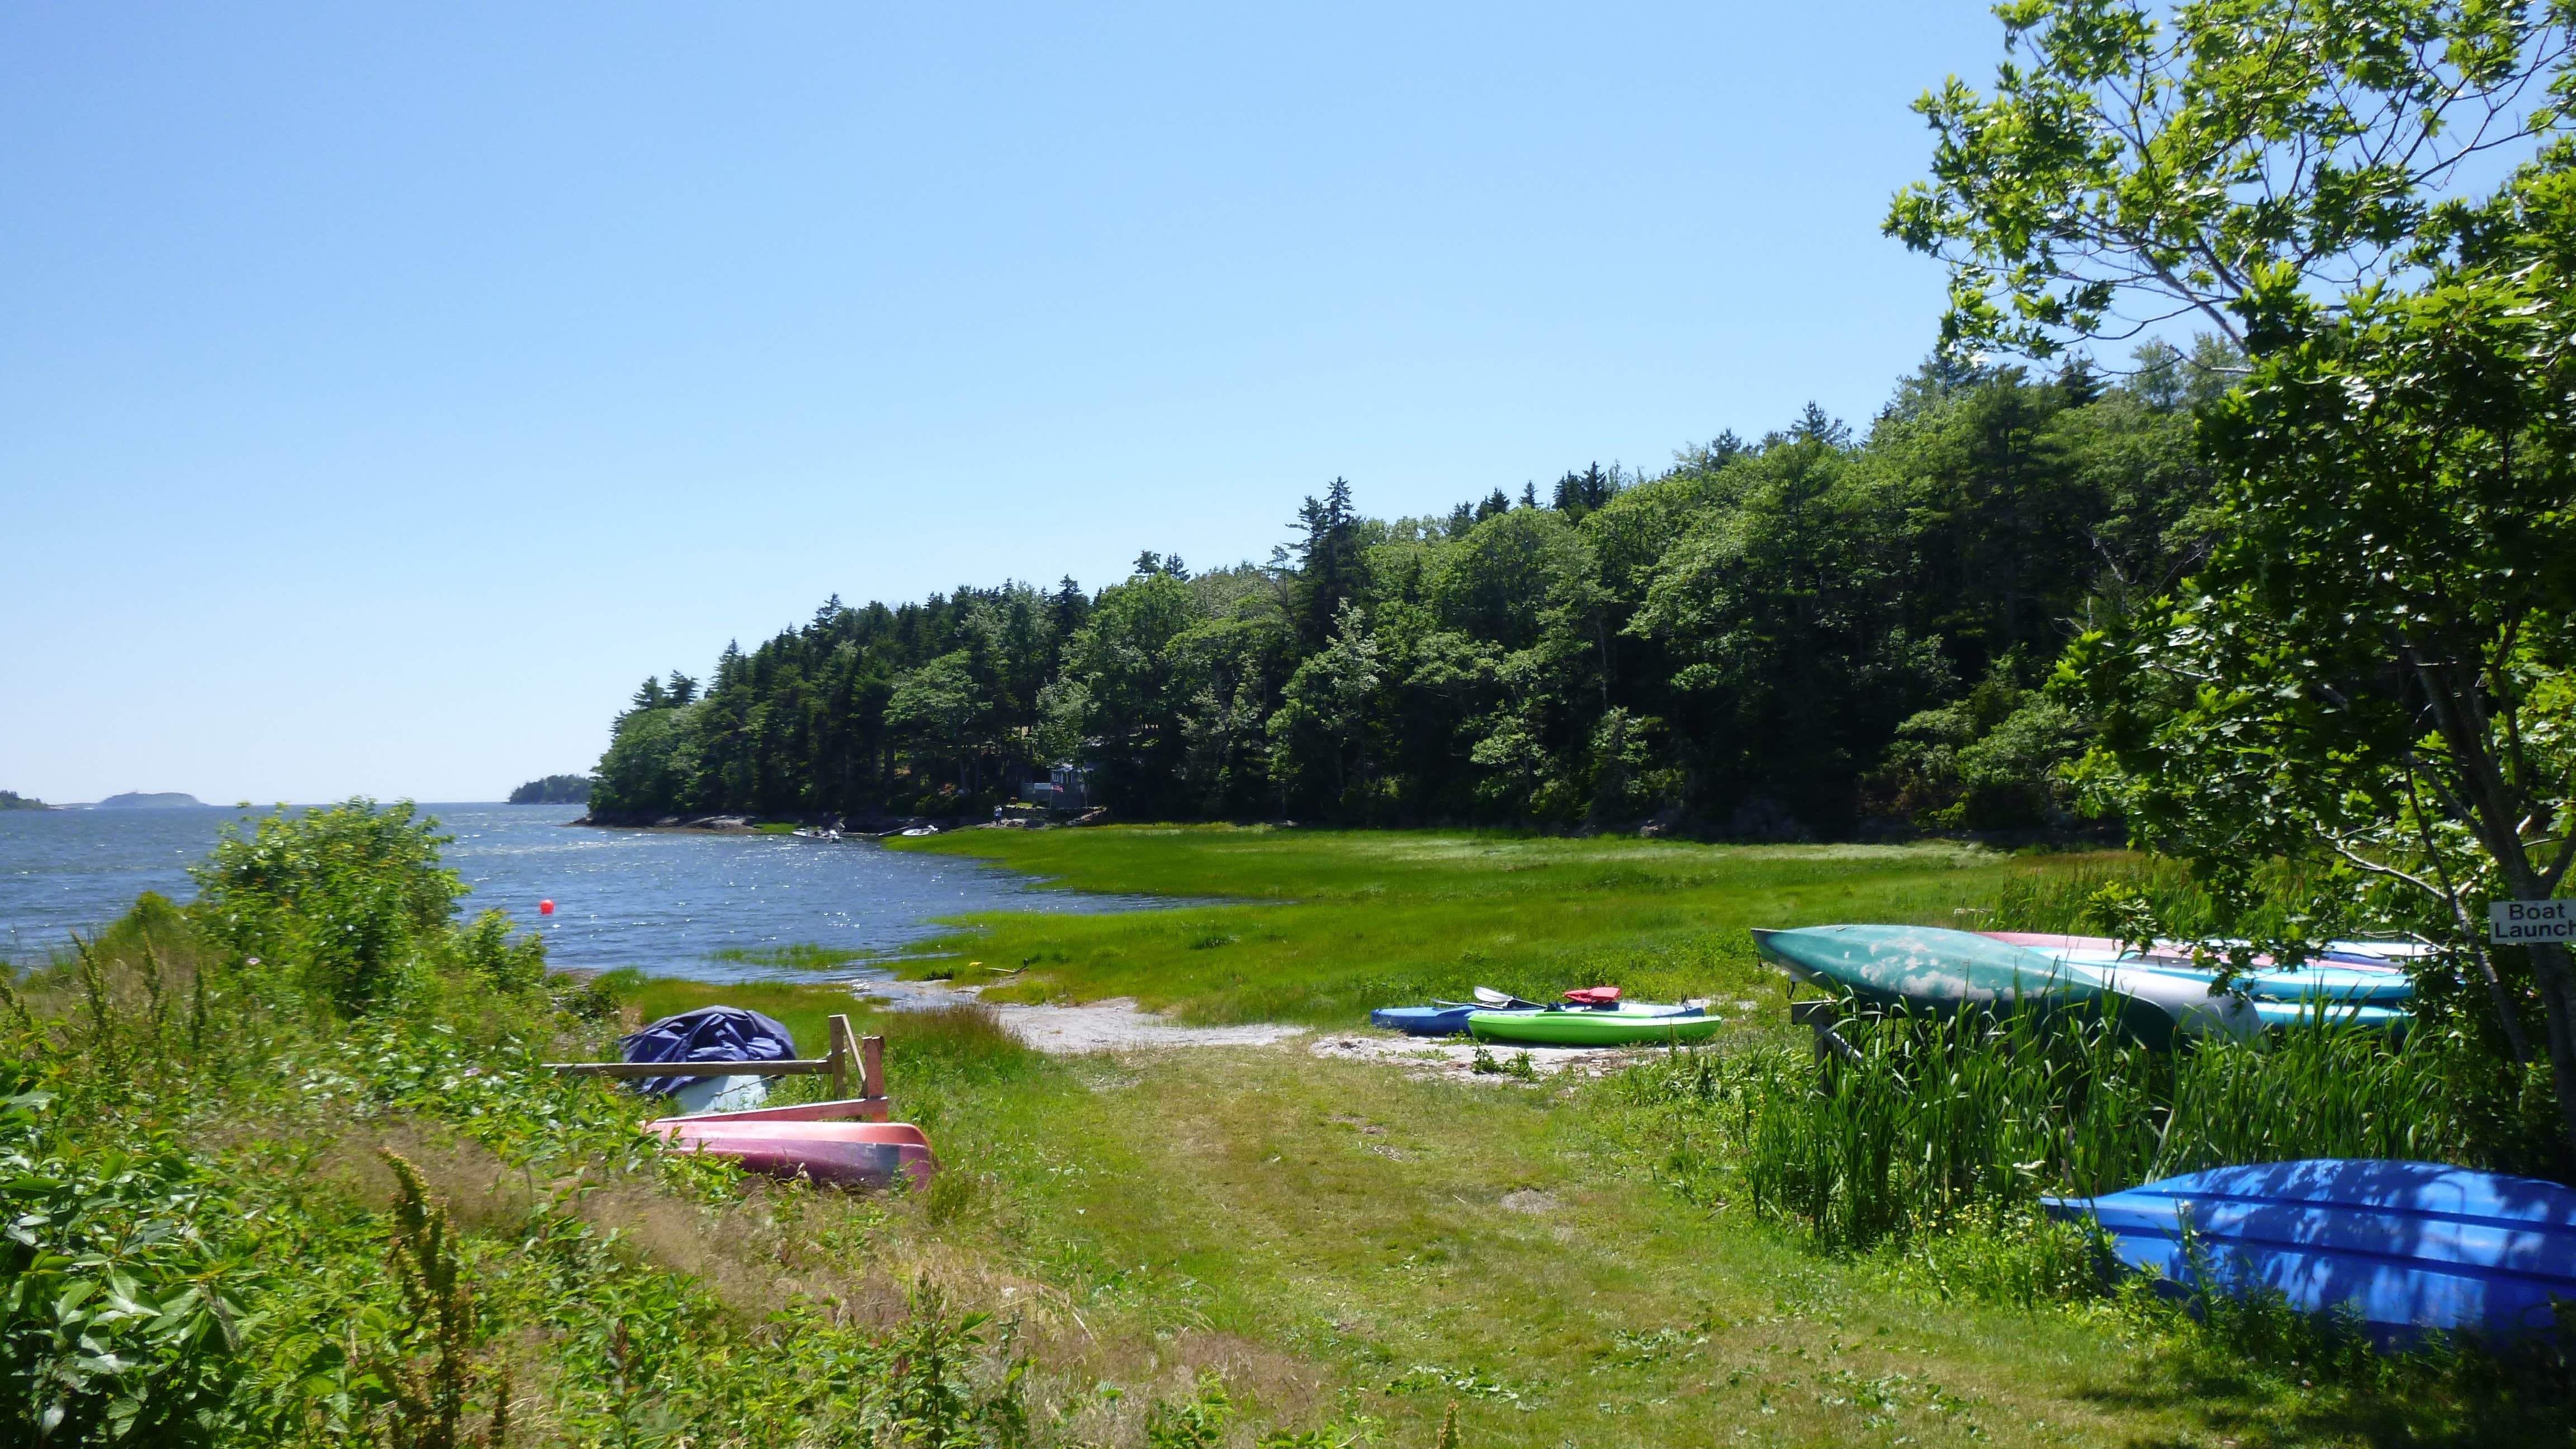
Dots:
{"x": 348, "y": 907}
{"x": 124, "y": 1289}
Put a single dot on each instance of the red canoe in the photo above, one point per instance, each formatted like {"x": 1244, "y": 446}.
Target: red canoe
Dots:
{"x": 849, "y": 1154}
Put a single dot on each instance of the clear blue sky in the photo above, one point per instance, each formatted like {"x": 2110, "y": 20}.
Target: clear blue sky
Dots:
{"x": 384, "y": 390}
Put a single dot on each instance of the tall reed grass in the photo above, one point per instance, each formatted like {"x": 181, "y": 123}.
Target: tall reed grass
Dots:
{"x": 1934, "y": 1121}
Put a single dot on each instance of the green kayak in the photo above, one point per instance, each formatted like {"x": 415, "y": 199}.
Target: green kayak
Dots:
{"x": 1629, "y": 1025}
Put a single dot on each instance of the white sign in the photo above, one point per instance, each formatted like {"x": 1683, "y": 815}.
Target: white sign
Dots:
{"x": 2516, "y": 922}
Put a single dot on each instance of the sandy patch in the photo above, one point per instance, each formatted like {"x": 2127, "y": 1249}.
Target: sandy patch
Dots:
{"x": 1116, "y": 1024}
{"x": 1455, "y": 1058}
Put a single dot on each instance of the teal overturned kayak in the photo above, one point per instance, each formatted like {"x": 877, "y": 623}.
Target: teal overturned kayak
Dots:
{"x": 1629, "y": 1024}
{"x": 1929, "y": 969}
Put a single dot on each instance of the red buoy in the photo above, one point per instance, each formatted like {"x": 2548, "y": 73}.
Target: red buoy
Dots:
{"x": 545, "y": 908}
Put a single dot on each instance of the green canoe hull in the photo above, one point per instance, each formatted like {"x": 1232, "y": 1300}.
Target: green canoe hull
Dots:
{"x": 1588, "y": 1028}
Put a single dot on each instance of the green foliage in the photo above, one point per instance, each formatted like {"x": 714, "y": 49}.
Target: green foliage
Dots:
{"x": 2373, "y": 664}
{"x": 2128, "y": 166}
{"x": 428, "y": 1365}
{"x": 1932, "y": 1125}
{"x": 124, "y": 1286}
{"x": 350, "y": 895}
{"x": 1197, "y": 1422}
{"x": 1994, "y": 760}
{"x": 1728, "y": 646}
{"x": 12, "y": 800}
{"x": 553, "y": 790}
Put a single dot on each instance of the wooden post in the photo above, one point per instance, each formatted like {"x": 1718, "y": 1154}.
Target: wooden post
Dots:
{"x": 872, "y": 1067}
{"x": 1820, "y": 1017}
{"x": 839, "y": 1056}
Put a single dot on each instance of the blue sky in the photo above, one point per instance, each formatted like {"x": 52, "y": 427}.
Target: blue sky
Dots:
{"x": 384, "y": 390}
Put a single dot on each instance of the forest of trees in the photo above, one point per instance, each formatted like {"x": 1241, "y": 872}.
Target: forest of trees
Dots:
{"x": 1809, "y": 634}
{"x": 553, "y": 790}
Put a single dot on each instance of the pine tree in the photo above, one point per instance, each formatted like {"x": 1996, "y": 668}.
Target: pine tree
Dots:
{"x": 1328, "y": 562}
{"x": 1815, "y": 425}
{"x": 1579, "y": 493}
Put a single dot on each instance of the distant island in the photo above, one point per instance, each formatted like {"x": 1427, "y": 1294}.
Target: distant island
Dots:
{"x": 141, "y": 800}
{"x": 553, "y": 790}
{"x": 12, "y": 800}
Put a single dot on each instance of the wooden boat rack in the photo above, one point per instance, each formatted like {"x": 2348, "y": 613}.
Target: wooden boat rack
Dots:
{"x": 1822, "y": 1017}
{"x": 848, "y": 1052}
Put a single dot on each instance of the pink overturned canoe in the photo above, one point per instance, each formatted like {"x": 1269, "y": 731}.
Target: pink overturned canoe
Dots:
{"x": 846, "y": 1154}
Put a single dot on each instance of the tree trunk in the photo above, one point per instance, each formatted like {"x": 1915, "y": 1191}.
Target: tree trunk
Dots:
{"x": 2558, "y": 1000}
{"x": 2556, "y": 977}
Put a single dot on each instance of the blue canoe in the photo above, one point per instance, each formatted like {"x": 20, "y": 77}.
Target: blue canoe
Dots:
{"x": 2409, "y": 1246}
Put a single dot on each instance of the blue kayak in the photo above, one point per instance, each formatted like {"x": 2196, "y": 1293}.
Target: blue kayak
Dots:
{"x": 1446, "y": 1018}
{"x": 2409, "y": 1246}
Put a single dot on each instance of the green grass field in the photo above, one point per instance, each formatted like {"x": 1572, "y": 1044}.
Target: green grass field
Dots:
{"x": 1340, "y": 1240}
{"x": 1338, "y": 922}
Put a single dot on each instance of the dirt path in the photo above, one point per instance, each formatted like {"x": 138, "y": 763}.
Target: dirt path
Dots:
{"x": 1118, "y": 1024}
{"x": 1095, "y": 1026}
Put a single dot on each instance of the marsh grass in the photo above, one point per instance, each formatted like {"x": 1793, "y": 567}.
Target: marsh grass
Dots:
{"x": 795, "y": 956}
{"x": 1354, "y": 920}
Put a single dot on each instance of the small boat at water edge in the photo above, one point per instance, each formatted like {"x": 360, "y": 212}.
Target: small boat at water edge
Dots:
{"x": 2408, "y": 1246}
{"x": 1630, "y": 1024}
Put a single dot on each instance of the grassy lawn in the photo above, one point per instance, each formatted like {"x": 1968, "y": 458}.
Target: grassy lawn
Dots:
{"x": 1342, "y": 1241}
{"x": 1339, "y": 1241}
{"x": 1336, "y": 923}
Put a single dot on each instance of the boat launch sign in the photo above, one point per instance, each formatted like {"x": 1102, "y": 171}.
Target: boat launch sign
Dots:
{"x": 2514, "y": 922}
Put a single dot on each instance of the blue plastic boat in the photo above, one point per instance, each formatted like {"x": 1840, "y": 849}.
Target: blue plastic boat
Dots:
{"x": 2409, "y": 1246}
{"x": 1446, "y": 1018}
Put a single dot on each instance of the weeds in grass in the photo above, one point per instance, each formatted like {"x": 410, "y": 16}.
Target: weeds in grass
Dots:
{"x": 430, "y": 1364}
{"x": 798, "y": 956}
{"x": 1196, "y": 1422}
{"x": 1936, "y": 1120}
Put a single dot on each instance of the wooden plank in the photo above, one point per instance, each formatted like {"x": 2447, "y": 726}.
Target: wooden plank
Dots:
{"x": 872, "y": 1067}
{"x": 1810, "y": 1013}
{"x": 837, "y": 1027}
{"x": 789, "y": 1067}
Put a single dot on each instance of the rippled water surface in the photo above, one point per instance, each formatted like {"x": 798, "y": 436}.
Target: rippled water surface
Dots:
{"x": 664, "y": 902}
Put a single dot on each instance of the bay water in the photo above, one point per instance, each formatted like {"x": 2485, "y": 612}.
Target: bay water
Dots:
{"x": 665, "y": 902}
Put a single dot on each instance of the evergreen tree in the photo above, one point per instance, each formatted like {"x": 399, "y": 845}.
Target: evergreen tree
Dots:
{"x": 1328, "y": 562}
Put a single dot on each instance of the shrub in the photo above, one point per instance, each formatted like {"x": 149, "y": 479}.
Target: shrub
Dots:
{"x": 348, "y": 894}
